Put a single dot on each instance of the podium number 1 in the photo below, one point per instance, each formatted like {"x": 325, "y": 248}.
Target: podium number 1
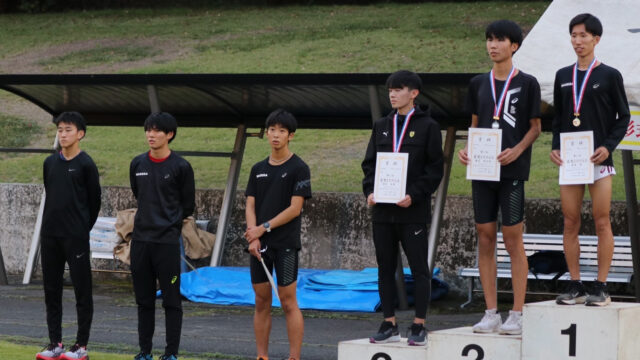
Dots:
{"x": 571, "y": 331}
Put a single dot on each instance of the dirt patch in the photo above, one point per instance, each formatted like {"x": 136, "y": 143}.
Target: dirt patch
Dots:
{"x": 31, "y": 62}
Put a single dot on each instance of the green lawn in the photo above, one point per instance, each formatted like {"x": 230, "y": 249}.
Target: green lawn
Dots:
{"x": 434, "y": 37}
{"x": 20, "y": 348}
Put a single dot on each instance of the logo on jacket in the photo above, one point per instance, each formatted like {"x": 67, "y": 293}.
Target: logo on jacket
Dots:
{"x": 284, "y": 175}
{"x": 596, "y": 85}
{"x": 72, "y": 170}
{"x": 412, "y": 133}
{"x": 261, "y": 176}
{"x": 142, "y": 174}
{"x": 385, "y": 133}
{"x": 167, "y": 176}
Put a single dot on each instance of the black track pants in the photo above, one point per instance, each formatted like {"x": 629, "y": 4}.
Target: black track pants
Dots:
{"x": 414, "y": 240}
{"x": 54, "y": 252}
{"x": 151, "y": 261}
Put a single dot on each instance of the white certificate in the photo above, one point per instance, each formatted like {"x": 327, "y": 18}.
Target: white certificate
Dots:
{"x": 391, "y": 177}
{"x": 483, "y": 148}
{"x": 576, "y": 149}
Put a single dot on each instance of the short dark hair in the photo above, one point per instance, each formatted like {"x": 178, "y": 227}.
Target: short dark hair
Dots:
{"x": 504, "y": 29}
{"x": 72, "y": 117}
{"x": 162, "y": 121}
{"x": 591, "y": 23}
{"x": 283, "y": 118}
{"x": 402, "y": 78}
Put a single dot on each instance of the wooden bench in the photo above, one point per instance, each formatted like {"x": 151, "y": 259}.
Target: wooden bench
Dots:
{"x": 621, "y": 270}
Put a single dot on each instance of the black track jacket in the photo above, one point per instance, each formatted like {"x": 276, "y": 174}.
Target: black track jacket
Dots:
{"x": 166, "y": 195}
{"x": 426, "y": 166}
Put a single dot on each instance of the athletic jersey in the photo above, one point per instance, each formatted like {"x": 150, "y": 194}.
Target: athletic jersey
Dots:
{"x": 604, "y": 109}
{"x": 72, "y": 196}
{"x": 166, "y": 195}
{"x": 521, "y": 104}
{"x": 423, "y": 143}
{"x": 272, "y": 186}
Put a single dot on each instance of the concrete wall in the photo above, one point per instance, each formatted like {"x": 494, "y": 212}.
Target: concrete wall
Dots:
{"x": 336, "y": 231}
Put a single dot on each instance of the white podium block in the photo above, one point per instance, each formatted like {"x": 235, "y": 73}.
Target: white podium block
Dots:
{"x": 462, "y": 343}
{"x": 567, "y": 332}
{"x": 362, "y": 349}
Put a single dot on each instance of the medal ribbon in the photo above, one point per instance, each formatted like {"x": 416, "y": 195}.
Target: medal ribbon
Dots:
{"x": 397, "y": 141}
{"x": 498, "y": 104}
{"x": 578, "y": 96}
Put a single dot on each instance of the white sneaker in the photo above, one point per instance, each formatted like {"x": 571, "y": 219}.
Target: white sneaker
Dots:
{"x": 76, "y": 352}
{"x": 490, "y": 323}
{"x": 51, "y": 352}
{"x": 513, "y": 325}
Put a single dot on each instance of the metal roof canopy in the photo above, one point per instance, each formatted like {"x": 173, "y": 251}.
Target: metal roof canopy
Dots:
{"x": 327, "y": 101}
{"x": 330, "y": 101}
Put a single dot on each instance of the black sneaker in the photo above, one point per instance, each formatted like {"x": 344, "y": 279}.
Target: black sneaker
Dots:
{"x": 573, "y": 294}
{"x": 599, "y": 295}
{"x": 387, "y": 333}
{"x": 417, "y": 335}
{"x": 143, "y": 356}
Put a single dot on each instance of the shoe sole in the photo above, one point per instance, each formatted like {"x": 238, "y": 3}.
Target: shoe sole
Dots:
{"x": 42, "y": 357}
{"x": 417, "y": 343}
{"x": 395, "y": 338}
{"x": 578, "y": 300}
{"x": 606, "y": 302}
{"x": 510, "y": 332}
{"x": 482, "y": 331}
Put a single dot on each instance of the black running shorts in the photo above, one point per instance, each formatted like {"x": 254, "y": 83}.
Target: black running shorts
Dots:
{"x": 286, "y": 264}
{"x": 488, "y": 196}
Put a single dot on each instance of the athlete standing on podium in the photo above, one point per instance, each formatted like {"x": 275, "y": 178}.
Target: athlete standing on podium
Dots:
{"x": 519, "y": 119}
{"x": 589, "y": 96}
{"x": 409, "y": 128}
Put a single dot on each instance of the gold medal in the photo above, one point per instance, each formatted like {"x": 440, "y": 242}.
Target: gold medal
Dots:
{"x": 576, "y": 122}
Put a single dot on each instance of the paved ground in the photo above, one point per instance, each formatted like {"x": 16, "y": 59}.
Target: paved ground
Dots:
{"x": 209, "y": 331}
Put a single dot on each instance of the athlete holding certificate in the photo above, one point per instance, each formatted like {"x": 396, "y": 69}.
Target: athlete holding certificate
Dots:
{"x": 508, "y": 99}
{"x": 588, "y": 96}
{"x": 408, "y": 129}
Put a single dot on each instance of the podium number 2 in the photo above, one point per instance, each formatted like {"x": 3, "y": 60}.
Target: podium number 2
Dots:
{"x": 571, "y": 331}
{"x": 381, "y": 356}
{"x": 477, "y": 348}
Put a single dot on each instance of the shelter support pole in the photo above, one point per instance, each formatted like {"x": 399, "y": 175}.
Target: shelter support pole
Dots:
{"x": 35, "y": 239}
{"x": 376, "y": 112}
{"x": 229, "y": 195}
{"x": 632, "y": 216}
{"x": 3, "y": 271}
{"x": 154, "y": 104}
{"x": 441, "y": 196}
{"x": 35, "y": 243}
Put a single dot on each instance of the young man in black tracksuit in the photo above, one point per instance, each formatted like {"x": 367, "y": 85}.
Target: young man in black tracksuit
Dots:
{"x": 406, "y": 221}
{"x": 602, "y": 108}
{"x": 72, "y": 187}
{"x": 163, "y": 184}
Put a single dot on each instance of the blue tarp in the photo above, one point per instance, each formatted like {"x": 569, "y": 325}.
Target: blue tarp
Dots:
{"x": 336, "y": 290}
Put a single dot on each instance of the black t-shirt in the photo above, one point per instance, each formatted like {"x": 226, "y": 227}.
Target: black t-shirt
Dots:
{"x": 73, "y": 196}
{"x": 604, "y": 109}
{"x": 166, "y": 195}
{"x": 521, "y": 104}
{"x": 272, "y": 187}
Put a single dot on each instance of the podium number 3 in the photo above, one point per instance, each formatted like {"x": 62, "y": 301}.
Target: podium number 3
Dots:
{"x": 477, "y": 348}
{"x": 571, "y": 331}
